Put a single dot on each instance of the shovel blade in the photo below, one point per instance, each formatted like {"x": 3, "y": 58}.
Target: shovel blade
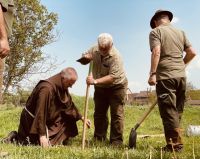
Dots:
{"x": 132, "y": 138}
{"x": 83, "y": 61}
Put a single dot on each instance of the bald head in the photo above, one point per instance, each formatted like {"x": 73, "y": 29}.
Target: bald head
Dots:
{"x": 68, "y": 77}
{"x": 69, "y": 73}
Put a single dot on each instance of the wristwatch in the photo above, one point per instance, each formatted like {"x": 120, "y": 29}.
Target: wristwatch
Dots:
{"x": 152, "y": 73}
{"x": 95, "y": 82}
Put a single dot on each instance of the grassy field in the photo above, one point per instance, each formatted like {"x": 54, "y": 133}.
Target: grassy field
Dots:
{"x": 146, "y": 147}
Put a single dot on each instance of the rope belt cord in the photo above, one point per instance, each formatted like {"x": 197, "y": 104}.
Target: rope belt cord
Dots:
{"x": 29, "y": 112}
{"x": 33, "y": 116}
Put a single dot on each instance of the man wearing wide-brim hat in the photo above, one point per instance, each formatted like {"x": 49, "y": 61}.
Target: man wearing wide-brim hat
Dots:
{"x": 158, "y": 15}
{"x": 167, "y": 72}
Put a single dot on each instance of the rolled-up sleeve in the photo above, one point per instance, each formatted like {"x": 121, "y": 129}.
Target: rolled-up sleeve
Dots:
{"x": 187, "y": 44}
{"x": 154, "y": 39}
{"x": 115, "y": 68}
{"x": 4, "y": 5}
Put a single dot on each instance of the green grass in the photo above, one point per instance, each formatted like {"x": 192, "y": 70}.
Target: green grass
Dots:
{"x": 9, "y": 120}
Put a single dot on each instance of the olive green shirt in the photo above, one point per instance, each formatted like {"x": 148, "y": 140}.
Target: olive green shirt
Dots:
{"x": 173, "y": 42}
{"x": 8, "y": 11}
{"x": 107, "y": 65}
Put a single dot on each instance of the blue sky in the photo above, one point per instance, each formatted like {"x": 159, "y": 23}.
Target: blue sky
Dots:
{"x": 81, "y": 21}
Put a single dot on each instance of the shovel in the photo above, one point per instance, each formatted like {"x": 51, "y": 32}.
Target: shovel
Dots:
{"x": 133, "y": 133}
{"x": 86, "y": 107}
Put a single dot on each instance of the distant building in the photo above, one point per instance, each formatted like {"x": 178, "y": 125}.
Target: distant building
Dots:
{"x": 193, "y": 97}
{"x": 145, "y": 98}
{"x": 193, "y": 102}
{"x": 141, "y": 98}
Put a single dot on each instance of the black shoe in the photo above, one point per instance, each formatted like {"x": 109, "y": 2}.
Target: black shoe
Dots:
{"x": 12, "y": 137}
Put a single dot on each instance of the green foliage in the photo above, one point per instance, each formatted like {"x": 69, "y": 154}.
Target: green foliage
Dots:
{"x": 10, "y": 99}
{"x": 97, "y": 150}
{"x": 32, "y": 29}
{"x": 16, "y": 99}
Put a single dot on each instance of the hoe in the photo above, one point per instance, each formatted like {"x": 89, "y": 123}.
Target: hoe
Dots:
{"x": 133, "y": 133}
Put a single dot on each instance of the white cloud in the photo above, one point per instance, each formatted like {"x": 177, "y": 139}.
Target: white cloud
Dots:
{"x": 175, "y": 20}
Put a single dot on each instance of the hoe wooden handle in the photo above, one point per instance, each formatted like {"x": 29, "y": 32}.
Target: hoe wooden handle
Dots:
{"x": 146, "y": 114}
{"x": 86, "y": 107}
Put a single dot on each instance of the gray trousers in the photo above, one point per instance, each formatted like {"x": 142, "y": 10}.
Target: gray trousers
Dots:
{"x": 114, "y": 98}
{"x": 171, "y": 98}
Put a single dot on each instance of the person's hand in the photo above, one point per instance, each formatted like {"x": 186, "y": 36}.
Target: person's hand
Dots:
{"x": 44, "y": 142}
{"x": 88, "y": 122}
{"x": 87, "y": 56}
{"x": 152, "y": 80}
{"x": 90, "y": 80}
{"x": 4, "y": 48}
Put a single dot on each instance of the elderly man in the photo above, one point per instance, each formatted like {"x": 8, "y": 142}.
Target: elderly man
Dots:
{"x": 167, "y": 72}
{"x": 110, "y": 84}
{"x": 6, "y": 20}
{"x": 50, "y": 115}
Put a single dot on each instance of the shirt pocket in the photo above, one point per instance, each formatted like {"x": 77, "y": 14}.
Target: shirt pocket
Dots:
{"x": 104, "y": 70}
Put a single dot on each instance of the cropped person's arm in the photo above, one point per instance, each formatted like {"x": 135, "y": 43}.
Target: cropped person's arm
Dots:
{"x": 4, "y": 46}
{"x": 155, "y": 57}
{"x": 103, "y": 80}
{"x": 190, "y": 54}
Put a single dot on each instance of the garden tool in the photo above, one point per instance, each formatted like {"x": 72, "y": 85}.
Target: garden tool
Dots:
{"x": 133, "y": 133}
{"x": 86, "y": 107}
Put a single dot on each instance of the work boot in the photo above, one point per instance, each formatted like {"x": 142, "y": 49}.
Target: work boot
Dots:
{"x": 117, "y": 143}
{"x": 99, "y": 138}
{"x": 173, "y": 138}
{"x": 12, "y": 137}
{"x": 169, "y": 148}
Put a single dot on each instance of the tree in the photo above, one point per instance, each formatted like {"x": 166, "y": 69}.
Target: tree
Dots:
{"x": 33, "y": 28}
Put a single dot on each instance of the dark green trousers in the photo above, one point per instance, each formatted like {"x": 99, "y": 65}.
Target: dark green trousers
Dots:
{"x": 114, "y": 98}
{"x": 171, "y": 98}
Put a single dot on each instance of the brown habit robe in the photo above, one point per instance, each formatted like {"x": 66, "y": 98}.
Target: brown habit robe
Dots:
{"x": 52, "y": 107}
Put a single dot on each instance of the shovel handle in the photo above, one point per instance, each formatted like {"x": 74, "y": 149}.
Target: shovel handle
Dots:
{"x": 145, "y": 115}
{"x": 90, "y": 68}
{"x": 86, "y": 107}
